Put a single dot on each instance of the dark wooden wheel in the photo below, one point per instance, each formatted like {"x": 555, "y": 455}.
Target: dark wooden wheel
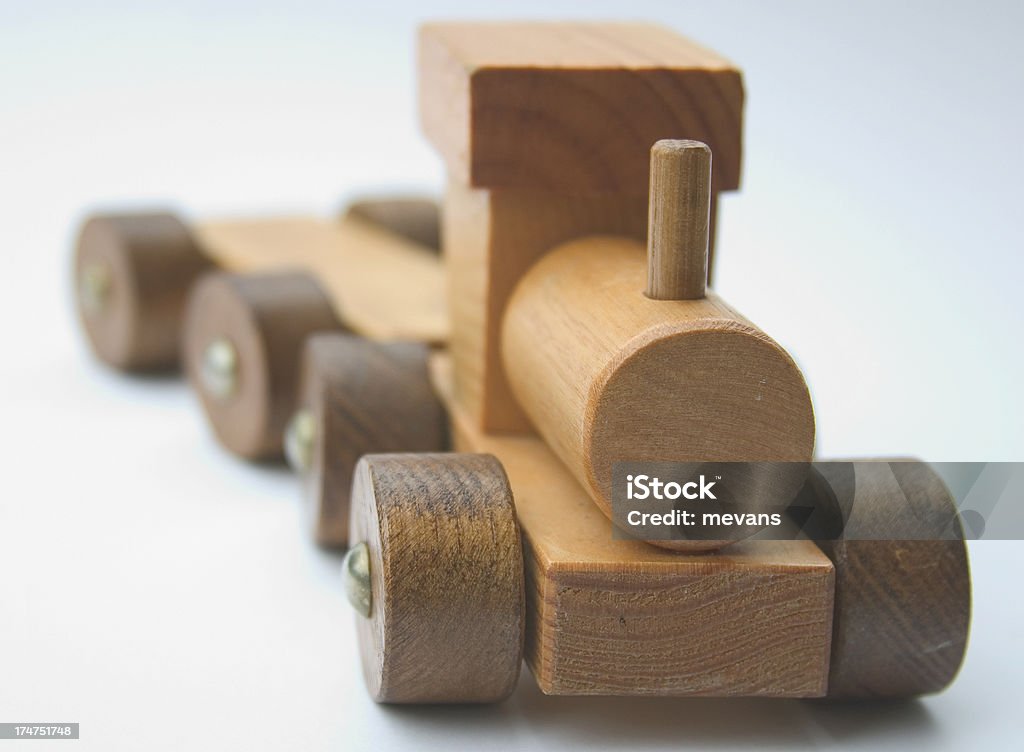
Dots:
{"x": 436, "y": 574}
{"x": 132, "y": 275}
{"x": 243, "y": 340}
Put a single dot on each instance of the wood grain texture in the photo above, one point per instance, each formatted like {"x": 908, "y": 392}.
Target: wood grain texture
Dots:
{"x": 446, "y": 571}
{"x": 680, "y": 211}
{"x": 572, "y": 107}
{"x": 619, "y": 617}
{"x": 903, "y": 606}
{"x": 416, "y": 219}
{"x": 267, "y": 318}
{"x": 382, "y": 286}
{"x": 608, "y": 375}
{"x": 365, "y": 398}
{"x": 491, "y": 239}
{"x": 149, "y": 261}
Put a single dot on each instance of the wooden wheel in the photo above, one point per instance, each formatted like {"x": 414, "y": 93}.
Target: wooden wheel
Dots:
{"x": 903, "y": 589}
{"x": 417, "y": 219}
{"x": 132, "y": 274}
{"x": 357, "y": 397}
{"x": 243, "y": 338}
{"x": 436, "y": 573}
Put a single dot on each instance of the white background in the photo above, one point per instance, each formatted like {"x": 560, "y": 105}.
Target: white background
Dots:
{"x": 163, "y": 594}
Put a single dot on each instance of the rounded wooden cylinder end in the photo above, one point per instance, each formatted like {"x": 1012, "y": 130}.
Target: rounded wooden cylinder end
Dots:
{"x": 359, "y": 397}
{"x": 721, "y": 391}
{"x": 444, "y": 588}
{"x": 903, "y": 607}
{"x": 243, "y": 341}
{"x": 132, "y": 275}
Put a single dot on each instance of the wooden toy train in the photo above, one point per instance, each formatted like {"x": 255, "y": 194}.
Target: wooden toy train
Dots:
{"x": 565, "y": 326}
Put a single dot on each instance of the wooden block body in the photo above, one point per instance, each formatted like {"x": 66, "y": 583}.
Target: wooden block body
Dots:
{"x": 546, "y": 130}
{"x": 619, "y": 617}
{"x": 572, "y": 107}
{"x": 383, "y": 285}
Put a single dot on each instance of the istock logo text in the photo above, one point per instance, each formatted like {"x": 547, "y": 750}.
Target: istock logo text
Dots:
{"x": 645, "y": 487}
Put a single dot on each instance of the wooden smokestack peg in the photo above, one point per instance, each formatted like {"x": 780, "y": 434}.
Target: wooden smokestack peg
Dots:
{"x": 679, "y": 215}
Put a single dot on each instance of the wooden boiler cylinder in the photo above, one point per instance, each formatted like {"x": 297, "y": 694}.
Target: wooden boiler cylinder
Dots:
{"x": 607, "y": 374}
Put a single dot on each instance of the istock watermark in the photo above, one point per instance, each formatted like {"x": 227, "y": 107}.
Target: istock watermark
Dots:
{"x": 645, "y": 486}
{"x": 712, "y": 501}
